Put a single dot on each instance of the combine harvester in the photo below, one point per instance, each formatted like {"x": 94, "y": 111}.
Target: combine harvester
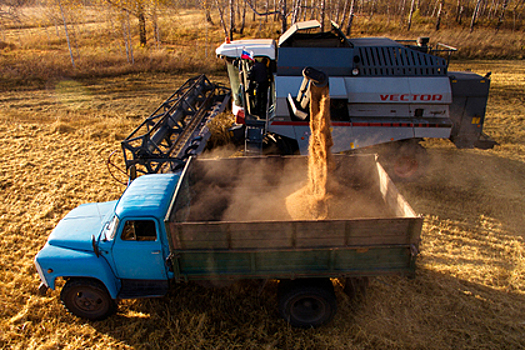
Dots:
{"x": 386, "y": 96}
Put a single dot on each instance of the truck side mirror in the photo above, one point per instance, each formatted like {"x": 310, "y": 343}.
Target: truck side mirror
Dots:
{"x": 94, "y": 245}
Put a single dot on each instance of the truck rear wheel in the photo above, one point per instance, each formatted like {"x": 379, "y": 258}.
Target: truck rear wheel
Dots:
{"x": 307, "y": 303}
{"x": 87, "y": 299}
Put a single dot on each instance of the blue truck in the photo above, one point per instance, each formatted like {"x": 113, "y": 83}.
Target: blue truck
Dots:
{"x": 226, "y": 220}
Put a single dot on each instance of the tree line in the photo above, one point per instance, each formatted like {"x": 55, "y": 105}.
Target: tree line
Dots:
{"x": 470, "y": 12}
{"x": 233, "y": 13}
{"x": 141, "y": 16}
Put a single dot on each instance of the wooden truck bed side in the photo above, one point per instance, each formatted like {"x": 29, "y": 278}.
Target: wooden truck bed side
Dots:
{"x": 288, "y": 248}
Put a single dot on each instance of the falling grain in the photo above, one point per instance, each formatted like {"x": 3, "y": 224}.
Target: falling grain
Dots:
{"x": 312, "y": 201}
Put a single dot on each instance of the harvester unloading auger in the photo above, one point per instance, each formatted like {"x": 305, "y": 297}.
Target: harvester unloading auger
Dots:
{"x": 176, "y": 130}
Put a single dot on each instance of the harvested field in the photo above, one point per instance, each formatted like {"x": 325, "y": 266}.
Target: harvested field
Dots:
{"x": 469, "y": 292}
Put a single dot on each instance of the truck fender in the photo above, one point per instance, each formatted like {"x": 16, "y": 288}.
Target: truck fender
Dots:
{"x": 55, "y": 262}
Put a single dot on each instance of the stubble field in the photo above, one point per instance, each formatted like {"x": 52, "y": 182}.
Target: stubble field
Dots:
{"x": 469, "y": 292}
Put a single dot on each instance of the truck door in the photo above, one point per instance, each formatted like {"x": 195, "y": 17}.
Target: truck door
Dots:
{"x": 137, "y": 252}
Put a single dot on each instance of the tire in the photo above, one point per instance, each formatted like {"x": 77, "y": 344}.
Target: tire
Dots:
{"x": 87, "y": 298}
{"x": 405, "y": 161}
{"x": 307, "y": 304}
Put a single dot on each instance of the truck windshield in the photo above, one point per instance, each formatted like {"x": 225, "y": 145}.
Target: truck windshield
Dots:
{"x": 111, "y": 228}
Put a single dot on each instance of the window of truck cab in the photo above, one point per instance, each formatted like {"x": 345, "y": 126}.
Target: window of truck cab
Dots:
{"x": 139, "y": 230}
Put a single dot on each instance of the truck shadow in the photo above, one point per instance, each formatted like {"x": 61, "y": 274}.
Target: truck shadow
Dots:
{"x": 469, "y": 290}
{"x": 432, "y": 311}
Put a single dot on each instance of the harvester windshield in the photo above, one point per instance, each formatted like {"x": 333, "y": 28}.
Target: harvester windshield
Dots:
{"x": 232, "y": 52}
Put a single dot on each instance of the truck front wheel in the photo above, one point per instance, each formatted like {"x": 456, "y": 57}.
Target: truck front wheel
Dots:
{"x": 87, "y": 299}
{"x": 307, "y": 303}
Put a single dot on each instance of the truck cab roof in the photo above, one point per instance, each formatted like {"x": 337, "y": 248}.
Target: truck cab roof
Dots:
{"x": 148, "y": 195}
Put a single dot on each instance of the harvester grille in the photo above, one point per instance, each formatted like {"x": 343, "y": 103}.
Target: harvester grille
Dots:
{"x": 399, "y": 61}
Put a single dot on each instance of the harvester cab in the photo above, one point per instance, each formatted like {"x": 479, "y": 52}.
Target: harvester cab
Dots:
{"x": 251, "y": 66}
{"x": 241, "y": 58}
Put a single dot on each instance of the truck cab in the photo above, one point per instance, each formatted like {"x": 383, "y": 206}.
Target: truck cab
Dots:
{"x": 113, "y": 250}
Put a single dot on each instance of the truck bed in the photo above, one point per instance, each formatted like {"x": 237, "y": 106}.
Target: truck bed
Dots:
{"x": 229, "y": 220}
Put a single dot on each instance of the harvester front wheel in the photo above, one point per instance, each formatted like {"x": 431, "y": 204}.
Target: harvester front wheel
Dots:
{"x": 87, "y": 299}
{"x": 405, "y": 161}
{"x": 406, "y": 166}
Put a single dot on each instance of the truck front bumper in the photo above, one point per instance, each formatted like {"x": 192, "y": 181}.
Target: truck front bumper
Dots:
{"x": 44, "y": 286}
{"x": 42, "y": 289}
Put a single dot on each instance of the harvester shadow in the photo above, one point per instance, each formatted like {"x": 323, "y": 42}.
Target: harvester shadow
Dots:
{"x": 464, "y": 185}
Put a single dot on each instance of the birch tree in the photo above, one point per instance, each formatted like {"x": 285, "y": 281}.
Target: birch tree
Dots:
{"x": 474, "y": 15}
{"x": 279, "y": 11}
{"x": 136, "y": 8}
{"x": 221, "y": 15}
{"x": 438, "y": 17}
{"x": 283, "y": 15}
{"x": 350, "y": 18}
{"x": 62, "y": 13}
{"x": 502, "y": 15}
{"x": 412, "y": 4}
{"x": 232, "y": 19}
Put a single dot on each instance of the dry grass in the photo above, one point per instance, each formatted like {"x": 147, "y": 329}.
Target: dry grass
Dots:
{"x": 219, "y": 130}
{"x": 469, "y": 292}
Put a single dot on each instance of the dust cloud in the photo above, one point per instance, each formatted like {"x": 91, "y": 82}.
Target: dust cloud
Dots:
{"x": 316, "y": 187}
{"x": 260, "y": 189}
{"x": 244, "y": 189}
